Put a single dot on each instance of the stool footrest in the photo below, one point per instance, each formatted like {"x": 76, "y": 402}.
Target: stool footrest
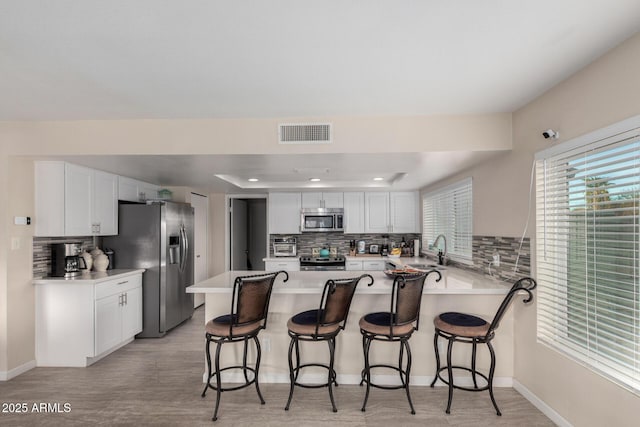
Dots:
{"x": 245, "y": 384}
{"x": 296, "y": 371}
{"x": 460, "y": 387}
{"x": 385, "y": 387}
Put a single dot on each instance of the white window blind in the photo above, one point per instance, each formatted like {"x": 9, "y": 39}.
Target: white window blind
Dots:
{"x": 449, "y": 211}
{"x": 588, "y": 254}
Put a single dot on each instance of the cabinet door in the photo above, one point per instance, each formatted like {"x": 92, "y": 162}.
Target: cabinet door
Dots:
{"x": 105, "y": 203}
{"x": 332, "y": 200}
{"x": 377, "y": 265}
{"x": 376, "y": 213}
{"x": 132, "y": 313}
{"x": 353, "y": 265}
{"x": 404, "y": 212}
{"x": 108, "y": 323}
{"x": 311, "y": 200}
{"x": 284, "y": 213}
{"x": 127, "y": 189}
{"x": 78, "y": 190}
{"x": 49, "y": 198}
{"x": 354, "y": 213}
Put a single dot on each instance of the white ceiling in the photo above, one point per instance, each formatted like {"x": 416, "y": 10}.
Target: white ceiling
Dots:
{"x": 124, "y": 59}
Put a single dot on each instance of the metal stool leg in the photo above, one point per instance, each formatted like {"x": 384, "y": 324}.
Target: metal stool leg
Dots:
{"x": 258, "y": 357}
{"x": 491, "y": 373}
{"x": 244, "y": 360}
{"x": 474, "y": 346}
{"x": 407, "y": 372}
{"x": 450, "y": 373}
{"x": 208, "y": 353}
{"x": 435, "y": 346}
{"x": 331, "y": 374}
{"x": 218, "y": 381}
{"x": 367, "y": 372}
{"x": 291, "y": 375}
{"x": 364, "y": 354}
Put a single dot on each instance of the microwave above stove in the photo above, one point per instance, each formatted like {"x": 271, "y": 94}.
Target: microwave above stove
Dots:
{"x": 321, "y": 219}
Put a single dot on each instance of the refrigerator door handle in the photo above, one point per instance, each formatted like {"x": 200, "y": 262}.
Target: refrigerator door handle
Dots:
{"x": 184, "y": 245}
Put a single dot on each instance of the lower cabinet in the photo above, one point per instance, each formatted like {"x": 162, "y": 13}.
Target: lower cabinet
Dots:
{"x": 119, "y": 314}
{"x": 288, "y": 265}
{"x": 80, "y": 321}
{"x": 365, "y": 265}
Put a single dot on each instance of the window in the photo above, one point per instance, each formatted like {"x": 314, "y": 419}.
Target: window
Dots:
{"x": 449, "y": 212}
{"x": 588, "y": 250}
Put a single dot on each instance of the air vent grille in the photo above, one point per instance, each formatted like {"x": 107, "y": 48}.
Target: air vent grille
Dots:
{"x": 304, "y": 133}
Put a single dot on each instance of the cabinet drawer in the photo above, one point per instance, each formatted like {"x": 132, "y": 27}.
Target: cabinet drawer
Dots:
{"x": 282, "y": 265}
{"x": 373, "y": 265}
{"x": 353, "y": 265}
{"x": 116, "y": 286}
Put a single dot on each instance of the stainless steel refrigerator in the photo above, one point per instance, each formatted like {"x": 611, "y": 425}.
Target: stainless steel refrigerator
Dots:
{"x": 158, "y": 237}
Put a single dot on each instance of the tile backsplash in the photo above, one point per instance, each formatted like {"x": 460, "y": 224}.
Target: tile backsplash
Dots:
{"x": 42, "y": 252}
{"x": 307, "y": 241}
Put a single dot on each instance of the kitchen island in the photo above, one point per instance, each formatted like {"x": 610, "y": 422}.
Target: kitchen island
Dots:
{"x": 459, "y": 290}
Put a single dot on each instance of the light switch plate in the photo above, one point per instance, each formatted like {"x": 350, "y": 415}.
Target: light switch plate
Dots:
{"x": 22, "y": 220}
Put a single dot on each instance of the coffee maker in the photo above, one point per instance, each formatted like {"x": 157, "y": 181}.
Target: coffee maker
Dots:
{"x": 66, "y": 260}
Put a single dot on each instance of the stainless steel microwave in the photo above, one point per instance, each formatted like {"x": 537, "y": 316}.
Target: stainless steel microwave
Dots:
{"x": 322, "y": 219}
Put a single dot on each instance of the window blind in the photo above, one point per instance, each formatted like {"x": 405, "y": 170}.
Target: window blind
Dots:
{"x": 449, "y": 211}
{"x": 588, "y": 254}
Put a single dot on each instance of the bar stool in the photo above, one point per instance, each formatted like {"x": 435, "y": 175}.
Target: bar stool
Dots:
{"x": 469, "y": 329}
{"x": 248, "y": 316}
{"x": 396, "y": 325}
{"x": 323, "y": 324}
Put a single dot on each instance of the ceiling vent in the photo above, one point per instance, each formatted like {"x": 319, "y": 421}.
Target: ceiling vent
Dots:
{"x": 304, "y": 133}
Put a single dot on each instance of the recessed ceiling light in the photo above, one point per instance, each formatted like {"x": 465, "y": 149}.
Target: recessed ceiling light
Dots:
{"x": 253, "y": 180}
{"x": 314, "y": 179}
{"x": 378, "y": 179}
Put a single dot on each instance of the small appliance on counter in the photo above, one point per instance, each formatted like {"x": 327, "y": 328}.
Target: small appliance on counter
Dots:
{"x": 385, "y": 250}
{"x": 361, "y": 246}
{"x": 66, "y": 260}
{"x": 374, "y": 249}
{"x": 285, "y": 247}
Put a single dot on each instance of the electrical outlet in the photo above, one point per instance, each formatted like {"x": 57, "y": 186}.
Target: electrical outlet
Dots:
{"x": 496, "y": 259}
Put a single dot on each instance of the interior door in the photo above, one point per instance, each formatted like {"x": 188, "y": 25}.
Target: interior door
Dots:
{"x": 239, "y": 240}
{"x": 200, "y": 205}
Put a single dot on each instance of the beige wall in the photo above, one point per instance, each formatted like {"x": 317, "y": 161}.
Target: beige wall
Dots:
{"x": 5, "y": 243}
{"x": 603, "y": 93}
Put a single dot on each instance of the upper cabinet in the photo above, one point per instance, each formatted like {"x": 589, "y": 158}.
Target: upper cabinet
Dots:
{"x": 284, "y": 213}
{"x": 354, "y": 212}
{"x": 395, "y": 212}
{"x": 132, "y": 190}
{"x": 322, "y": 200}
{"x": 73, "y": 200}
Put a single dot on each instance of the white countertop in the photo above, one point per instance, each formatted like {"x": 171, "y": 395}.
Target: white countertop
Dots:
{"x": 89, "y": 278}
{"x": 454, "y": 281}
{"x": 281, "y": 258}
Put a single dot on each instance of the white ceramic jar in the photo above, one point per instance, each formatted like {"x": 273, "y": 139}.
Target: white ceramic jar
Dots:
{"x": 101, "y": 262}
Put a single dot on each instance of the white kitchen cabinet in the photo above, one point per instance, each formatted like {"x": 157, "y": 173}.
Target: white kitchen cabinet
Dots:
{"x": 376, "y": 212}
{"x": 132, "y": 190}
{"x": 286, "y": 265}
{"x": 373, "y": 265}
{"x": 322, "y": 200}
{"x": 82, "y": 320}
{"x": 74, "y": 200}
{"x": 354, "y": 213}
{"x": 351, "y": 265}
{"x": 404, "y": 213}
{"x": 395, "y": 212}
{"x": 284, "y": 213}
{"x": 118, "y": 312}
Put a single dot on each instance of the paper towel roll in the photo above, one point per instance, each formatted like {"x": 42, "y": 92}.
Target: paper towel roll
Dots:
{"x": 416, "y": 247}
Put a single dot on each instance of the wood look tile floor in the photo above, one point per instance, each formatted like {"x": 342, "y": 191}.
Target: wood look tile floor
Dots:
{"x": 158, "y": 382}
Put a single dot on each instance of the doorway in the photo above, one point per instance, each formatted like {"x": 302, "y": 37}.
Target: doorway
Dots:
{"x": 247, "y": 233}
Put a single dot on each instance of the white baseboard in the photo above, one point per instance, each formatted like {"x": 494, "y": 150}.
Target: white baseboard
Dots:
{"x": 541, "y": 405}
{"x": 7, "y": 375}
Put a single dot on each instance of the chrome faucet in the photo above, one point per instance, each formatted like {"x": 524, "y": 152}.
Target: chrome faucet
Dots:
{"x": 442, "y": 255}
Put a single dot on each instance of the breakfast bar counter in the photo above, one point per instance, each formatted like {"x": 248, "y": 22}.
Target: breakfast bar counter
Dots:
{"x": 459, "y": 290}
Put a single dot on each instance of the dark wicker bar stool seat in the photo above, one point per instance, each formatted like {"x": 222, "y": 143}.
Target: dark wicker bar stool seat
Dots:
{"x": 249, "y": 309}
{"x": 396, "y": 325}
{"x": 323, "y": 324}
{"x": 474, "y": 330}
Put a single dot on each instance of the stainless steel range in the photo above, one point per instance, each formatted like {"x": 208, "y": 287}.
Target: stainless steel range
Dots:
{"x": 330, "y": 263}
